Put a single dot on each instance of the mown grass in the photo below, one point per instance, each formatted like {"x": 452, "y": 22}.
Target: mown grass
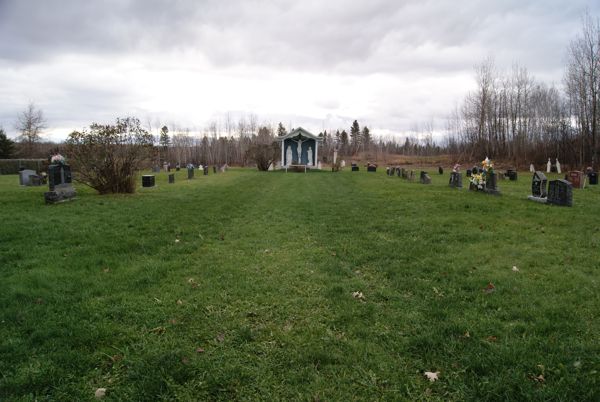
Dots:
{"x": 238, "y": 286}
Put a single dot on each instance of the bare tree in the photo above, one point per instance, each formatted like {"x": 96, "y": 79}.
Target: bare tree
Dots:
{"x": 30, "y": 123}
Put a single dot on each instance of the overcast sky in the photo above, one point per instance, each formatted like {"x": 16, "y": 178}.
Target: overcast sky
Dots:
{"x": 391, "y": 64}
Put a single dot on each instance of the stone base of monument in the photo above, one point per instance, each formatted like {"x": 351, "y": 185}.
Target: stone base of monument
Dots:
{"x": 61, "y": 194}
{"x": 541, "y": 200}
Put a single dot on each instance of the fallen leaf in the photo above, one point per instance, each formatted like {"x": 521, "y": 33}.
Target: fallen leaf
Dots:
{"x": 221, "y": 337}
{"x": 39, "y": 300}
{"x": 221, "y": 236}
{"x": 491, "y": 338}
{"x": 158, "y": 330}
{"x": 358, "y": 295}
{"x": 466, "y": 334}
{"x": 176, "y": 240}
{"x": 515, "y": 269}
{"x": 432, "y": 376}
{"x": 267, "y": 251}
{"x": 100, "y": 393}
{"x": 180, "y": 302}
{"x": 489, "y": 288}
{"x": 106, "y": 270}
{"x": 199, "y": 350}
{"x": 157, "y": 300}
{"x": 333, "y": 253}
{"x": 172, "y": 321}
{"x": 185, "y": 360}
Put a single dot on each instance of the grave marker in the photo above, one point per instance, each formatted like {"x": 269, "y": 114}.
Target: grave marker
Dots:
{"x": 59, "y": 184}
{"x": 148, "y": 180}
{"x": 577, "y": 179}
{"x": 560, "y": 192}
{"x": 171, "y": 178}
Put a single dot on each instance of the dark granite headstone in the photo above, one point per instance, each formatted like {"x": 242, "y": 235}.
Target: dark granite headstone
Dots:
{"x": 35, "y": 180}
{"x": 214, "y": 169}
{"x": 171, "y": 178}
{"x": 553, "y": 169}
{"x": 205, "y": 170}
{"x": 593, "y": 178}
{"x": 474, "y": 170}
{"x": 560, "y": 192}
{"x": 469, "y": 173}
{"x": 398, "y": 172}
{"x": 371, "y": 168}
{"x": 190, "y": 171}
{"x": 512, "y": 174}
{"x": 491, "y": 183}
{"x": 148, "y": 180}
{"x": 59, "y": 184}
{"x": 411, "y": 175}
{"x": 354, "y": 167}
{"x": 440, "y": 170}
{"x": 455, "y": 180}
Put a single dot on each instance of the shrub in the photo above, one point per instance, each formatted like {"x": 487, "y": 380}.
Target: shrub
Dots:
{"x": 107, "y": 157}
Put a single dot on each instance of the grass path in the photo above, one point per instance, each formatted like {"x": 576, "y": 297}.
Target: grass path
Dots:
{"x": 239, "y": 286}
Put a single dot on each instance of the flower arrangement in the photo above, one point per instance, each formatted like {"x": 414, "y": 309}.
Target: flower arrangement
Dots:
{"x": 58, "y": 159}
{"x": 479, "y": 180}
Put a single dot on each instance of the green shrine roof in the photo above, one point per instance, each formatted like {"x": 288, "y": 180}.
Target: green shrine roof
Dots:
{"x": 300, "y": 132}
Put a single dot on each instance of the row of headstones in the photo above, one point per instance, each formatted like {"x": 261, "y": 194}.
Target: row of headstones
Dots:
{"x": 408, "y": 174}
{"x": 149, "y": 180}
{"x": 28, "y": 177}
{"x": 371, "y": 167}
{"x": 556, "y": 192}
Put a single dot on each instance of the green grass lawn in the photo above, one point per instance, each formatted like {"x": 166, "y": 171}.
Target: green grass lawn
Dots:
{"x": 239, "y": 286}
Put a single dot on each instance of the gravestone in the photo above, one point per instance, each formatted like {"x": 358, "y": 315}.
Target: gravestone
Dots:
{"x": 560, "y": 192}
{"x": 403, "y": 173}
{"x": 190, "y": 171}
{"x": 148, "y": 180}
{"x": 440, "y": 170}
{"x": 411, "y": 175}
{"x": 531, "y": 168}
{"x": 171, "y": 178}
{"x": 593, "y": 178}
{"x": 474, "y": 170}
{"x": 214, "y": 169}
{"x": 354, "y": 167}
{"x": 538, "y": 187}
{"x": 512, "y": 174}
{"x": 60, "y": 184}
{"x": 371, "y": 168}
{"x": 455, "y": 180}
{"x": 577, "y": 179}
{"x": 166, "y": 167}
{"x": 177, "y": 168}
{"x": 398, "y": 172}
{"x": 491, "y": 183}
{"x": 425, "y": 179}
{"x": 35, "y": 180}
{"x": 469, "y": 173}
{"x": 24, "y": 176}
{"x": 205, "y": 170}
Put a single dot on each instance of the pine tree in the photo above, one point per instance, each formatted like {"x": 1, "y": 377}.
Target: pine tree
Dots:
{"x": 355, "y": 136}
{"x": 281, "y": 131}
{"x": 7, "y": 146}
{"x": 164, "y": 140}
{"x": 366, "y": 137}
{"x": 344, "y": 141}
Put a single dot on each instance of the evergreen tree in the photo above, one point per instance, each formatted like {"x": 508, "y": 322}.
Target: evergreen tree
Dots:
{"x": 164, "y": 140}
{"x": 344, "y": 141}
{"x": 7, "y": 146}
{"x": 281, "y": 131}
{"x": 355, "y": 136}
{"x": 366, "y": 136}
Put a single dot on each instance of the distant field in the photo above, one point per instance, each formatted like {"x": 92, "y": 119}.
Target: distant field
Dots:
{"x": 239, "y": 286}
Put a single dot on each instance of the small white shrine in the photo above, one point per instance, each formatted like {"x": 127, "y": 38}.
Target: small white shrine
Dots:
{"x": 299, "y": 148}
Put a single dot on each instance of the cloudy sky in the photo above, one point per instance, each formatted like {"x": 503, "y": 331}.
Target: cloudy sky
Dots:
{"x": 391, "y": 64}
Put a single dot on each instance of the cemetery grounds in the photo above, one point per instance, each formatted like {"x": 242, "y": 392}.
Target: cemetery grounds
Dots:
{"x": 251, "y": 285}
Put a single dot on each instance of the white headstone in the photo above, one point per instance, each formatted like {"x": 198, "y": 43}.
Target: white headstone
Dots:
{"x": 548, "y": 166}
{"x": 343, "y": 163}
{"x": 319, "y": 165}
{"x": 557, "y": 166}
{"x": 334, "y": 156}
{"x": 271, "y": 166}
{"x": 532, "y": 168}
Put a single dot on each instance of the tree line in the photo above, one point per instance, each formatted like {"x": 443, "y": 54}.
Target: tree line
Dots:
{"x": 512, "y": 116}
